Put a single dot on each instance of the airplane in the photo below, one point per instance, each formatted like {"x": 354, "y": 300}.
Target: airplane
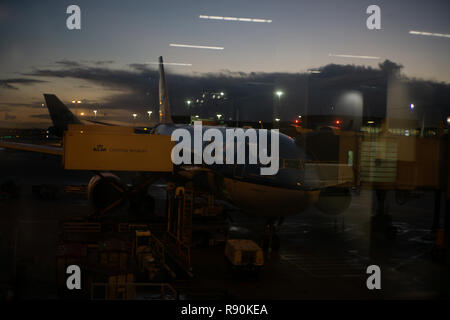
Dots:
{"x": 59, "y": 113}
{"x": 62, "y": 116}
{"x": 290, "y": 191}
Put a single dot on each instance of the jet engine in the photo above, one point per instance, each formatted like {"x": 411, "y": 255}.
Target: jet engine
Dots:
{"x": 56, "y": 131}
{"x": 105, "y": 190}
{"x": 334, "y": 200}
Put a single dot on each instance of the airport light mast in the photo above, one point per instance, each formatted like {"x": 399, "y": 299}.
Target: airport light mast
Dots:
{"x": 277, "y": 108}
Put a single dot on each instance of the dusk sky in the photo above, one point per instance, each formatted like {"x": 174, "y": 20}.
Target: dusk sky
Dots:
{"x": 39, "y": 54}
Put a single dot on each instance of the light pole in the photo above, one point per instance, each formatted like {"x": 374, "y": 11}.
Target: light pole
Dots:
{"x": 422, "y": 126}
{"x": 278, "y": 93}
{"x": 95, "y": 114}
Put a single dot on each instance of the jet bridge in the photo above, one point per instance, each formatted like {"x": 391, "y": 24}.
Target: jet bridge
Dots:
{"x": 114, "y": 148}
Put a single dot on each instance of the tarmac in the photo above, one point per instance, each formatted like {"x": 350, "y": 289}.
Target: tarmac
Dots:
{"x": 320, "y": 257}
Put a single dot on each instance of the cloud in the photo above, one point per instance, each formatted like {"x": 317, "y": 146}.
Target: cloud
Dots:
{"x": 135, "y": 87}
{"x": 68, "y": 63}
{"x": 115, "y": 79}
{"x": 102, "y": 62}
{"x": 72, "y": 63}
{"x": 8, "y": 83}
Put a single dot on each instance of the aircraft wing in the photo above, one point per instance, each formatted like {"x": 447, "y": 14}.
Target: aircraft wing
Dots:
{"x": 58, "y": 151}
{"x": 103, "y": 123}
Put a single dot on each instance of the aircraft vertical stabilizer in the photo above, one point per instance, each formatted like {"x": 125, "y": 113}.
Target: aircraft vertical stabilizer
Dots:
{"x": 165, "y": 116}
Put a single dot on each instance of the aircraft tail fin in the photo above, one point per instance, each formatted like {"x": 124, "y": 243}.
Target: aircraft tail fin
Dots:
{"x": 59, "y": 113}
{"x": 165, "y": 116}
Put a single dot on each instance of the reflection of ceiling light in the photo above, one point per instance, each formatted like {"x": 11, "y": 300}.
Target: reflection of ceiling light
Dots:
{"x": 195, "y": 46}
{"x": 234, "y": 19}
{"x": 431, "y": 34}
{"x": 448, "y": 120}
{"x": 351, "y": 56}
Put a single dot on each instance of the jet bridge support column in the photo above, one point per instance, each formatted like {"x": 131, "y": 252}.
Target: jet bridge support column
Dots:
{"x": 381, "y": 219}
{"x": 446, "y": 169}
{"x": 179, "y": 213}
{"x": 180, "y": 205}
{"x": 441, "y": 249}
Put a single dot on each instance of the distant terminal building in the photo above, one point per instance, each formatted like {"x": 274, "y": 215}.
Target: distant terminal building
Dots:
{"x": 22, "y": 134}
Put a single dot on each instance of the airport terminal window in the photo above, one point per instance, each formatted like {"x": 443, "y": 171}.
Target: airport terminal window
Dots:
{"x": 100, "y": 101}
